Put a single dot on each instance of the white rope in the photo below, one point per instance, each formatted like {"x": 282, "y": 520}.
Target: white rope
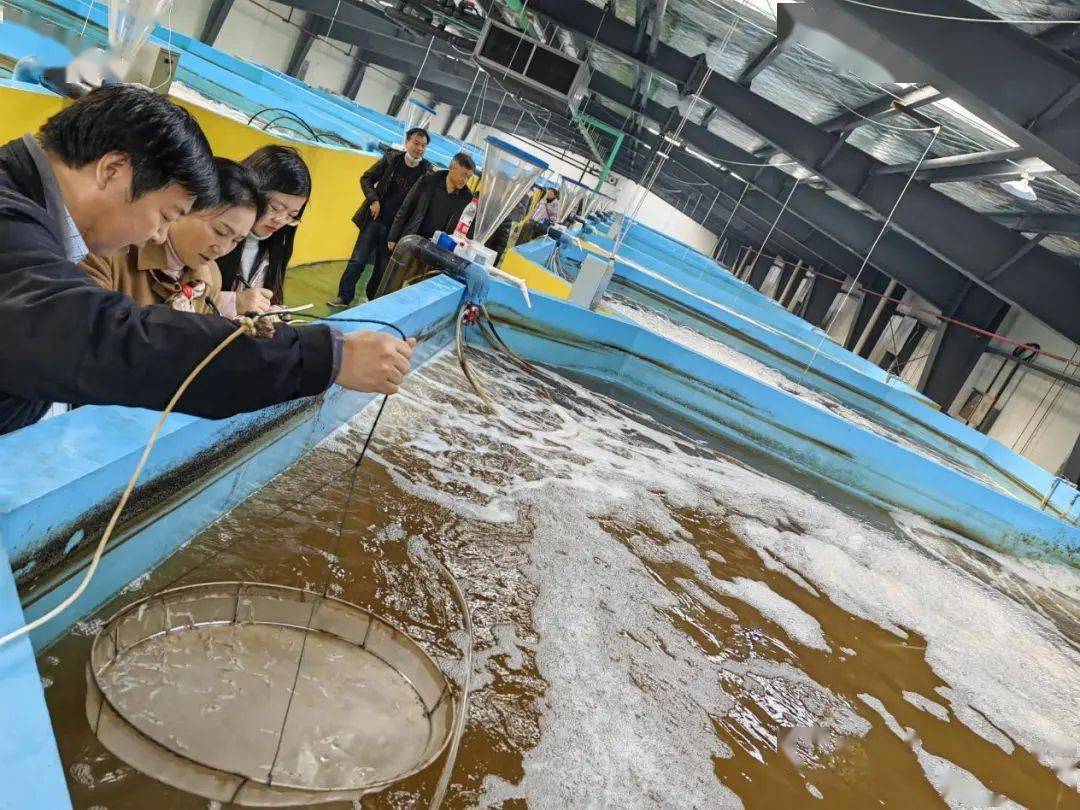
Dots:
{"x": 866, "y": 258}
{"x": 874, "y": 121}
{"x": 86, "y": 19}
{"x": 661, "y": 154}
{"x": 423, "y": 63}
{"x": 783, "y": 209}
{"x": 245, "y": 328}
{"x": 1046, "y": 413}
{"x": 930, "y": 16}
{"x": 766, "y": 163}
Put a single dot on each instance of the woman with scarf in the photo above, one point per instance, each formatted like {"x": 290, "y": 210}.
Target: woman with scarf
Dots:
{"x": 182, "y": 273}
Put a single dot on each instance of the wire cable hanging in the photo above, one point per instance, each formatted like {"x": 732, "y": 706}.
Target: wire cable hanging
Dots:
{"x": 952, "y": 18}
{"x": 869, "y": 253}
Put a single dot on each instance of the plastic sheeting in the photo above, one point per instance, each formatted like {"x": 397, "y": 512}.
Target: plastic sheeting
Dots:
{"x": 508, "y": 174}
{"x": 811, "y": 87}
{"x": 130, "y": 25}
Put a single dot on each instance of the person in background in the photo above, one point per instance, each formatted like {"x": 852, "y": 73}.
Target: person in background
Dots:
{"x": 547, "y": 210}
{"x": 436, "y": 203}
{"x": 501, "y": 238}
{"x": 114, "y": 169}
{"x": 182, "y": 273}
{"x": 260, "y": 262}
{"x": 543, "y": 217}
{"x": 385, "y": 186}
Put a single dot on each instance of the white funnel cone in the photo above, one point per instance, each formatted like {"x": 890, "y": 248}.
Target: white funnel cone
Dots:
{"x": 130, "y": 24}
{"x": 508, "y": 174}
{"x": 416, "y": 114}
{"x": 571, "y": 194}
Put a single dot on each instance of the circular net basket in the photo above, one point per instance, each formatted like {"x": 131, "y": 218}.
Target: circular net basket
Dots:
{"x": 264, "y": 695}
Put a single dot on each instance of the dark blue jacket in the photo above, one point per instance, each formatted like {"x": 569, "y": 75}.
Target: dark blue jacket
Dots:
{"x": 67, "y": 340}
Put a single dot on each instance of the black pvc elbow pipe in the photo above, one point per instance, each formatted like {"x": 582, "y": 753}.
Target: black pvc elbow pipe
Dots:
{"x": 414, "y": 256}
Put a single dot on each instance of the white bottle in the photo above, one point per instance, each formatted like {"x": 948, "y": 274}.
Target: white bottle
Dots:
{"x": 461, "y": 232}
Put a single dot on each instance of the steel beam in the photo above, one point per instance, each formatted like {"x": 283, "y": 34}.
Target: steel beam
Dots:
{"x": 853, "y": 232}
{"x": 956, "y": 350}
{"x": 787, "y": 270}
{"x": 903, "y": 357}
{"x": 793, "y": 285}
{"x": 344, "y": 14}
{"x": 404, "y": 90}
{"x": 215, "y": 19}
{"x": 1062, "y": 38}
{"x": 451, "y": 118}
{"x": 996, "y": 164}
{"x": 881, "y": 321}
{"x": 760, "y": 270}
{"x": 883, "y": 107}
{"x": 761, "y": 61}
{"x": 1037, "y": 104}
{"x": 1063, "y": 224}
{"x": 867, "y": 308}
{"x": 822, "y": 294}
{"x": 355, "y": 77}
{"x": 1070, "y": 470}
{"x": 313, "y": 27}
{"x": 1042, "y": 282}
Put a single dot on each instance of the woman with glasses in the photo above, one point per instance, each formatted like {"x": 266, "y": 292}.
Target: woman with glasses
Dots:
{"x": 259, "y": 263}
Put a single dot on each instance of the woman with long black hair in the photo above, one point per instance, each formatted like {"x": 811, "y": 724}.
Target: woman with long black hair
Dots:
{"x": 261, "y": 260}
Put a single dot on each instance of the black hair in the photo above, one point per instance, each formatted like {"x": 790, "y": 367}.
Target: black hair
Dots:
{"x": 280, "y": 169}
{"x": 238, "y": 187}
{"x": 464, "y": 159}
{"x": 554, "y": 191}
{"x": 418, "y": 131}
{"x": 163, "y": 141}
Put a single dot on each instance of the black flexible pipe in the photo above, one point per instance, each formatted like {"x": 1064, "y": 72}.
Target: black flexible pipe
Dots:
{"x": 413, "y": 256}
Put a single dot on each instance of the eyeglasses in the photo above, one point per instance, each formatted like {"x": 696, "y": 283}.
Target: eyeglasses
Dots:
{"x": 281, "y": 211}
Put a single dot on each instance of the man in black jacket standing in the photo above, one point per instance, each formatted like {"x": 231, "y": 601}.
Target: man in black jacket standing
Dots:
{"x": 115, "y": 169}
{"x": 436, "y": 203}
{"x": 385, "y": 186}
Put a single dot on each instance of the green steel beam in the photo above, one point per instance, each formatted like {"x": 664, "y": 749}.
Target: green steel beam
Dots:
{"x": 523, "y": 18}
{"x": 618, "y": 134}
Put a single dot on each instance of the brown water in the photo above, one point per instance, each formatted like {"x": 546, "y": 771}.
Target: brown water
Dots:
{"x": 657, "y": 624}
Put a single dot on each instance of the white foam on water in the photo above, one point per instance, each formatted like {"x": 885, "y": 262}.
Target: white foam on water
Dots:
{"x": 733, "y": 358}
{"x": 628, "y": 714}
{"x": 927, "y": 705}
{"x": 179, "y": 90}
{"x": 796, "y": 622}
{"x": 958, "y": 787}
{"x": 814, "y": 717}
{"x": 975, "y": 721}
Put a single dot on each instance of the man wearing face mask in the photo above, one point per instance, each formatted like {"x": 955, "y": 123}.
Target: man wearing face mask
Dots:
{"x": 385, "y": 186}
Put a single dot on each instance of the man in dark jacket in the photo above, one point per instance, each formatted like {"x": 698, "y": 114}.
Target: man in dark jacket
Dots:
{"x": 385, "y": 186}
{"x": 115, "y": 169}
{"x": 436, "y": 203}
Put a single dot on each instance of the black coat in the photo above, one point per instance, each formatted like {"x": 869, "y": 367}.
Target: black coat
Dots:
{"x": 412, "y": 212}
{"x": 377, "y": 178}
{"x": 66, "y": 339}
{"x": 277, "y": 250}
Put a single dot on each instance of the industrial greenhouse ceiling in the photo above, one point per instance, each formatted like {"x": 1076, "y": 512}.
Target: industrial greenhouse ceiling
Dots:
{"x": 808, "y": 85}
{"x": 821, "y": 103}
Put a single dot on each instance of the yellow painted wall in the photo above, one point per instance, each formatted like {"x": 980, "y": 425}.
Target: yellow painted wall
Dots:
{"x": 327, "y": 232}
{"x": 24, "y": 111}
{"x": 535, "y": 276}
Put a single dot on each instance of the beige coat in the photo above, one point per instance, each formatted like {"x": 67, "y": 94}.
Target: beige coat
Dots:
{"x": 137, "y": 272}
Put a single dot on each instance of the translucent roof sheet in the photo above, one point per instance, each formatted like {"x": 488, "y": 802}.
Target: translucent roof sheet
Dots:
{"x": 814, "y": 89}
